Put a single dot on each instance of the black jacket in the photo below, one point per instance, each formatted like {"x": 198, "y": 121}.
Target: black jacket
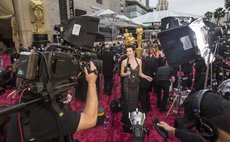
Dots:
{"x": 185, "y": 136}
{"x": 164, "y": 73}
{"x": 108, "y": 63}
{"x": 148, "y": 67}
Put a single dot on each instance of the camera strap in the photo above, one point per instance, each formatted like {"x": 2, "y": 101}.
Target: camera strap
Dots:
{"x": 53, "y": 99}
{"x": 55, "y": 107}
{"x": 26, "y": 128}
{"x": 27, "y": 133}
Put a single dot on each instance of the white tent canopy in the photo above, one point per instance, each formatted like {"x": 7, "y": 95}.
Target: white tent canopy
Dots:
{"x": 109, "y": 17}
{"x": 123, "y": 17}
{"x": 104, "y": 12}
{"x": 156, "y": 16}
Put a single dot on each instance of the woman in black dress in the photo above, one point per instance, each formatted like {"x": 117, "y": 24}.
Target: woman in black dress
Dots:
{"x": 130, "y": 71}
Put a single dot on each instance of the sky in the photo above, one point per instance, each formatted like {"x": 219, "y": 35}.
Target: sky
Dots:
{"x": 197, "y": 7}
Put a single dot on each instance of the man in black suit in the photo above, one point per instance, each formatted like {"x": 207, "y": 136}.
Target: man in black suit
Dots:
{"x": 108, "y": 65}
{"x": 163, "y": 77}
{"x": 148, "y": 65}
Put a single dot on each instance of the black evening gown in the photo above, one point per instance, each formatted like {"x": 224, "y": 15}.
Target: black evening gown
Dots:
{"x": 131, "y": 91}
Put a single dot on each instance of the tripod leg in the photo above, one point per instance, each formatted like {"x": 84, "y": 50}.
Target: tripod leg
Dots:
{"x": 170, "y": 109}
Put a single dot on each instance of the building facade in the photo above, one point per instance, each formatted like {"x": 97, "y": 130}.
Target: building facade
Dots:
{"x": 91, "y": 6}
{"x": 54, "y": 11}
{"x": 162, "y": 5}
{"x": 135, "y": 8}
{"x": 25, "y": 19}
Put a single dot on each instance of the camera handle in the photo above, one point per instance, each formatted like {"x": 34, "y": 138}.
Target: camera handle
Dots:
{"x": 18, "y": 107}
{"x": 95, "y": 71}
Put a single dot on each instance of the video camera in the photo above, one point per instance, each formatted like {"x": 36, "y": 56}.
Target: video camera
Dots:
{"x": 50, "y": 74}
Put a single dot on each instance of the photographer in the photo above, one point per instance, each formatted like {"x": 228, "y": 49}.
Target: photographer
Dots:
{"x": 47, "y": 126}
{"x": 210, "y": 114}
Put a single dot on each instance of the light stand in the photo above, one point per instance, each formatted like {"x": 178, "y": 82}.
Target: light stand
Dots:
{"x": 207, "y": 70}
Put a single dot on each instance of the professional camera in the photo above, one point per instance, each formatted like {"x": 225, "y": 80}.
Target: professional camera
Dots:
{"x": 49, "y": 75}
{"x": 46, "y": 77}
{"x": 137, "y": 120}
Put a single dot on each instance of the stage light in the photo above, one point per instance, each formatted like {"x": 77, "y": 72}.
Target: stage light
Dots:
{"x": 186, "y": 42}
{"x": 201, "y": 31}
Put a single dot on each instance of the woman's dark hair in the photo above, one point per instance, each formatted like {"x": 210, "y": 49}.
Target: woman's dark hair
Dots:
{"x": 130, "y": 46}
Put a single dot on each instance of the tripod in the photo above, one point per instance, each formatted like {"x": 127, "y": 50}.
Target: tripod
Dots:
{"x": 176, "y": 99}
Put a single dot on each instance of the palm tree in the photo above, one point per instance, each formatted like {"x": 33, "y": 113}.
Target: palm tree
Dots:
{"x": 227, "y": 6}
{"x": 208, "y": 15}
{"x": 219, "y": 12}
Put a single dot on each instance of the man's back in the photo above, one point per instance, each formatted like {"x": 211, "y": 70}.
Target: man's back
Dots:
{"x": 148, "y": 65}
{"x": 163, "y": 73}
{"x": 108, "y": 63}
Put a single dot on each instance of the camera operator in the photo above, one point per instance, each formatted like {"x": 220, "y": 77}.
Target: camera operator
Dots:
{"x": 46, "y": 127}
{"x": 210, "y": 114}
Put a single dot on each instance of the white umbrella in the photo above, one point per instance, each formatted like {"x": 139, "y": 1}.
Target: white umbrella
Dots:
{"x": 156, "y": 16}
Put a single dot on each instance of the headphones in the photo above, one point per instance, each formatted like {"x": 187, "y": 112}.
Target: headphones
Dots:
{"x": 206, "y": 129}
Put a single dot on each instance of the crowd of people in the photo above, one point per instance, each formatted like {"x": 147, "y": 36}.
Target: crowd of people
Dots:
{"x": 152, "y": 73}
{"x": 139, "y": 77}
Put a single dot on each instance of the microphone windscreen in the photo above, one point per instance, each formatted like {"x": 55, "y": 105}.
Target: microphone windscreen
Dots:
{"x": 128, "y": 65}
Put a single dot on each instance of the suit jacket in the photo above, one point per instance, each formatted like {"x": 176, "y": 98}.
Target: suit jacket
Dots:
{"x": 108, "y": 63}
{"x": 148, "y": 67}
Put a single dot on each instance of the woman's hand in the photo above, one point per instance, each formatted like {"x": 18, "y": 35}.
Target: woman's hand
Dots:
{"x": 128, "y": 73}
{"x": 149, "y": 78}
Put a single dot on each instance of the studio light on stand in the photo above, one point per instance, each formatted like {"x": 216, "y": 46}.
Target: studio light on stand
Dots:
{"x": 186, "y": 42}
{"x": 206, "y": 32}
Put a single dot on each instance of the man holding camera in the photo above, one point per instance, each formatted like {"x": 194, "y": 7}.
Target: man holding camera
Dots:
{"x": 210, "y": 114}
{"x": 46, "y": 126}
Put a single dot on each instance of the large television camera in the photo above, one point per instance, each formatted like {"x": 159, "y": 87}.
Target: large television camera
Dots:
{"x": 49, "y": 75}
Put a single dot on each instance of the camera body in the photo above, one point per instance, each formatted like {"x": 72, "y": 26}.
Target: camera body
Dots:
{"x": 51, "y": 73}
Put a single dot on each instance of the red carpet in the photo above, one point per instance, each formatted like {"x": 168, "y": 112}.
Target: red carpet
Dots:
{"x": 109, "y": 133}
{"x": 115, "y": 133}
